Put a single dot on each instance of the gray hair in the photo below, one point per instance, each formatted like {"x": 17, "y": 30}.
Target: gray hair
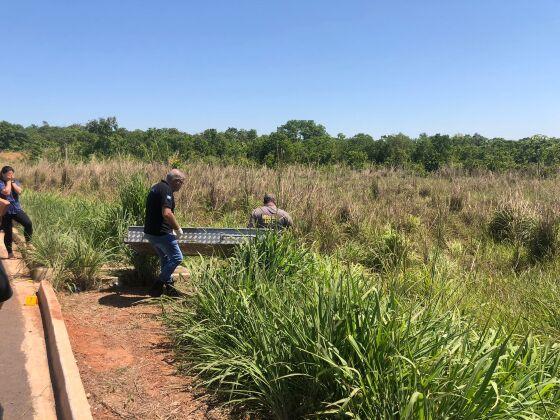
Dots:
{"x": 174, "y": 174}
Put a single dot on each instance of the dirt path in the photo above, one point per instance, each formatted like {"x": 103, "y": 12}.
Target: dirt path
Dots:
{"x": 126, "y": 362}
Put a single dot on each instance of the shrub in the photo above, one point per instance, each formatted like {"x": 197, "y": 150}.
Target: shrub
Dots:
{"x": 46, "y": 250}
{"x": 536, "y": 236}
{"x": 74, "y": 236}
{"x": 76, "y": 261}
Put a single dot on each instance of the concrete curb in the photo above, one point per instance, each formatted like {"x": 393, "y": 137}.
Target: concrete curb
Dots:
{"x": 69, "y": 391}
{"x": 36, "y": 370}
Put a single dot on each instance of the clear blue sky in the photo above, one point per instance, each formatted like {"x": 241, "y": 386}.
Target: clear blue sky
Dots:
{"x": 380, "y": 67}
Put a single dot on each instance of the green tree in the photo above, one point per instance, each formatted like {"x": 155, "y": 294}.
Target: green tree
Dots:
{"x": 300, "y": 130}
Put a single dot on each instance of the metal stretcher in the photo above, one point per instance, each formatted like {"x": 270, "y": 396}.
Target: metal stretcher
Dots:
{"x": 196, "y": 241}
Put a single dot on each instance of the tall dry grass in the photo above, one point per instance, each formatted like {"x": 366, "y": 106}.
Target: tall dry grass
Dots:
{"x": 386, "y": 220}
{"x": 316, "y": 197}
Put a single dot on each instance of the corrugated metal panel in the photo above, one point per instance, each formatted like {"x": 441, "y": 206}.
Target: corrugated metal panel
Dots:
{"x": 196, "y": 241}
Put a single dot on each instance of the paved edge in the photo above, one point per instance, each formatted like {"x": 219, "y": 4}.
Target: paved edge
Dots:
{"x": 69, "y": 391}
{"x": 36, "y": 361}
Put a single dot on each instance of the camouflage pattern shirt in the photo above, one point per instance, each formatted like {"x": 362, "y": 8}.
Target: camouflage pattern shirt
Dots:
{"x": 270, "y": 217}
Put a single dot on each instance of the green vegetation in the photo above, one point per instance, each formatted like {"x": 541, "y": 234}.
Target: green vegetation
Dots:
{"x": 76, "y": 236}
{"x": 397, "y": 294}
{"x": 297, "y": 141}
{"x": 293, "y": 334}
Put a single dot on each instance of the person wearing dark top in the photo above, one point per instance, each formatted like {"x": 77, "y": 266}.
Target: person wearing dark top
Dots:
{"x": 5, "y": 287}
{"x": 162, "y": 230}
{"x": 10, "y": 190}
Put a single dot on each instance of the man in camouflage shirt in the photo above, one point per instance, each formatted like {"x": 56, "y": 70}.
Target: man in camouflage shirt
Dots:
{"x": 269, "y": 216}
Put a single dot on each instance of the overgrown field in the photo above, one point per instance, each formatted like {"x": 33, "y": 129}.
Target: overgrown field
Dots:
{"x": 395, "y": 295}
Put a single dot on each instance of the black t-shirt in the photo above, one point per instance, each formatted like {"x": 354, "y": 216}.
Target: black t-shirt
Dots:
{"x": 160, "y": 196}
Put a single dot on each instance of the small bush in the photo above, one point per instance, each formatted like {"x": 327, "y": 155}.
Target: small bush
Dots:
{"x": 76, "y": 261}
{"x": 46, "y": 250}
{"x": 543, "y": 240}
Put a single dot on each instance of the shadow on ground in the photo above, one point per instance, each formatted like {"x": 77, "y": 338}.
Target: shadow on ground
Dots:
{"x": 124, "y": 297}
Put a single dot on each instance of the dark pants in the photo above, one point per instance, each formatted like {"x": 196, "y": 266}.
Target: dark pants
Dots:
{"x": 8, "y": 225}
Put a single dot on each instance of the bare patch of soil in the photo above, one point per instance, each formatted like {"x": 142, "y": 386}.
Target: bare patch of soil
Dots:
{"x": 126, "y": 361}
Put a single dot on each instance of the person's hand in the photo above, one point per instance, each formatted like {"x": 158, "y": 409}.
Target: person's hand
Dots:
{"x": 180, "y": 232}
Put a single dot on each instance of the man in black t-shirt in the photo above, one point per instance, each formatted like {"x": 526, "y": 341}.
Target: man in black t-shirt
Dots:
{"x": 161, "y": 229}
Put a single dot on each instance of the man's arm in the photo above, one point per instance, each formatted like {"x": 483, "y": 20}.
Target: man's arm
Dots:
{"x": 170, "y": 218}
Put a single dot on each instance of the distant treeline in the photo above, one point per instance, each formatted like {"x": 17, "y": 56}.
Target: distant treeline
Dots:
{"x": 297, "y": 141}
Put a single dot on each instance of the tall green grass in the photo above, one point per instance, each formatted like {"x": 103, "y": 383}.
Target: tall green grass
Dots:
{"x": 76, "y": 236}
{"x": 291, "y": 334}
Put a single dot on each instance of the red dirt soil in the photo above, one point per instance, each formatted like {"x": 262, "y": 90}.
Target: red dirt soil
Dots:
{"x": 126, "y": 361}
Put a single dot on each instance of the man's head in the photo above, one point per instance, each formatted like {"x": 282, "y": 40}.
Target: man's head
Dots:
{"x": 175, "y": 179}
{"x": 269, "y": 198}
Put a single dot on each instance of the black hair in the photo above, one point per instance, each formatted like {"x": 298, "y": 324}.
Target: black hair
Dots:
{"x": 269, "y": 198}
{"x": 7, "y": 169}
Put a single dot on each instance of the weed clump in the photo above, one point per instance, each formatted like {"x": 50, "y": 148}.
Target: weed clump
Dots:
{"x": 512, "y": 222}
{"x": 535, "y": 237}
{"x": 383, "y": 252}
{"x": 344, "y": 214}
{"x": 375, "y": 189}
{"x": 424, "y": 192}
{"x": 132, "y": 199}
{"x": 456, "y": 203}
{"x": 543, "y": 240}
{"x": 390, "y": 251}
